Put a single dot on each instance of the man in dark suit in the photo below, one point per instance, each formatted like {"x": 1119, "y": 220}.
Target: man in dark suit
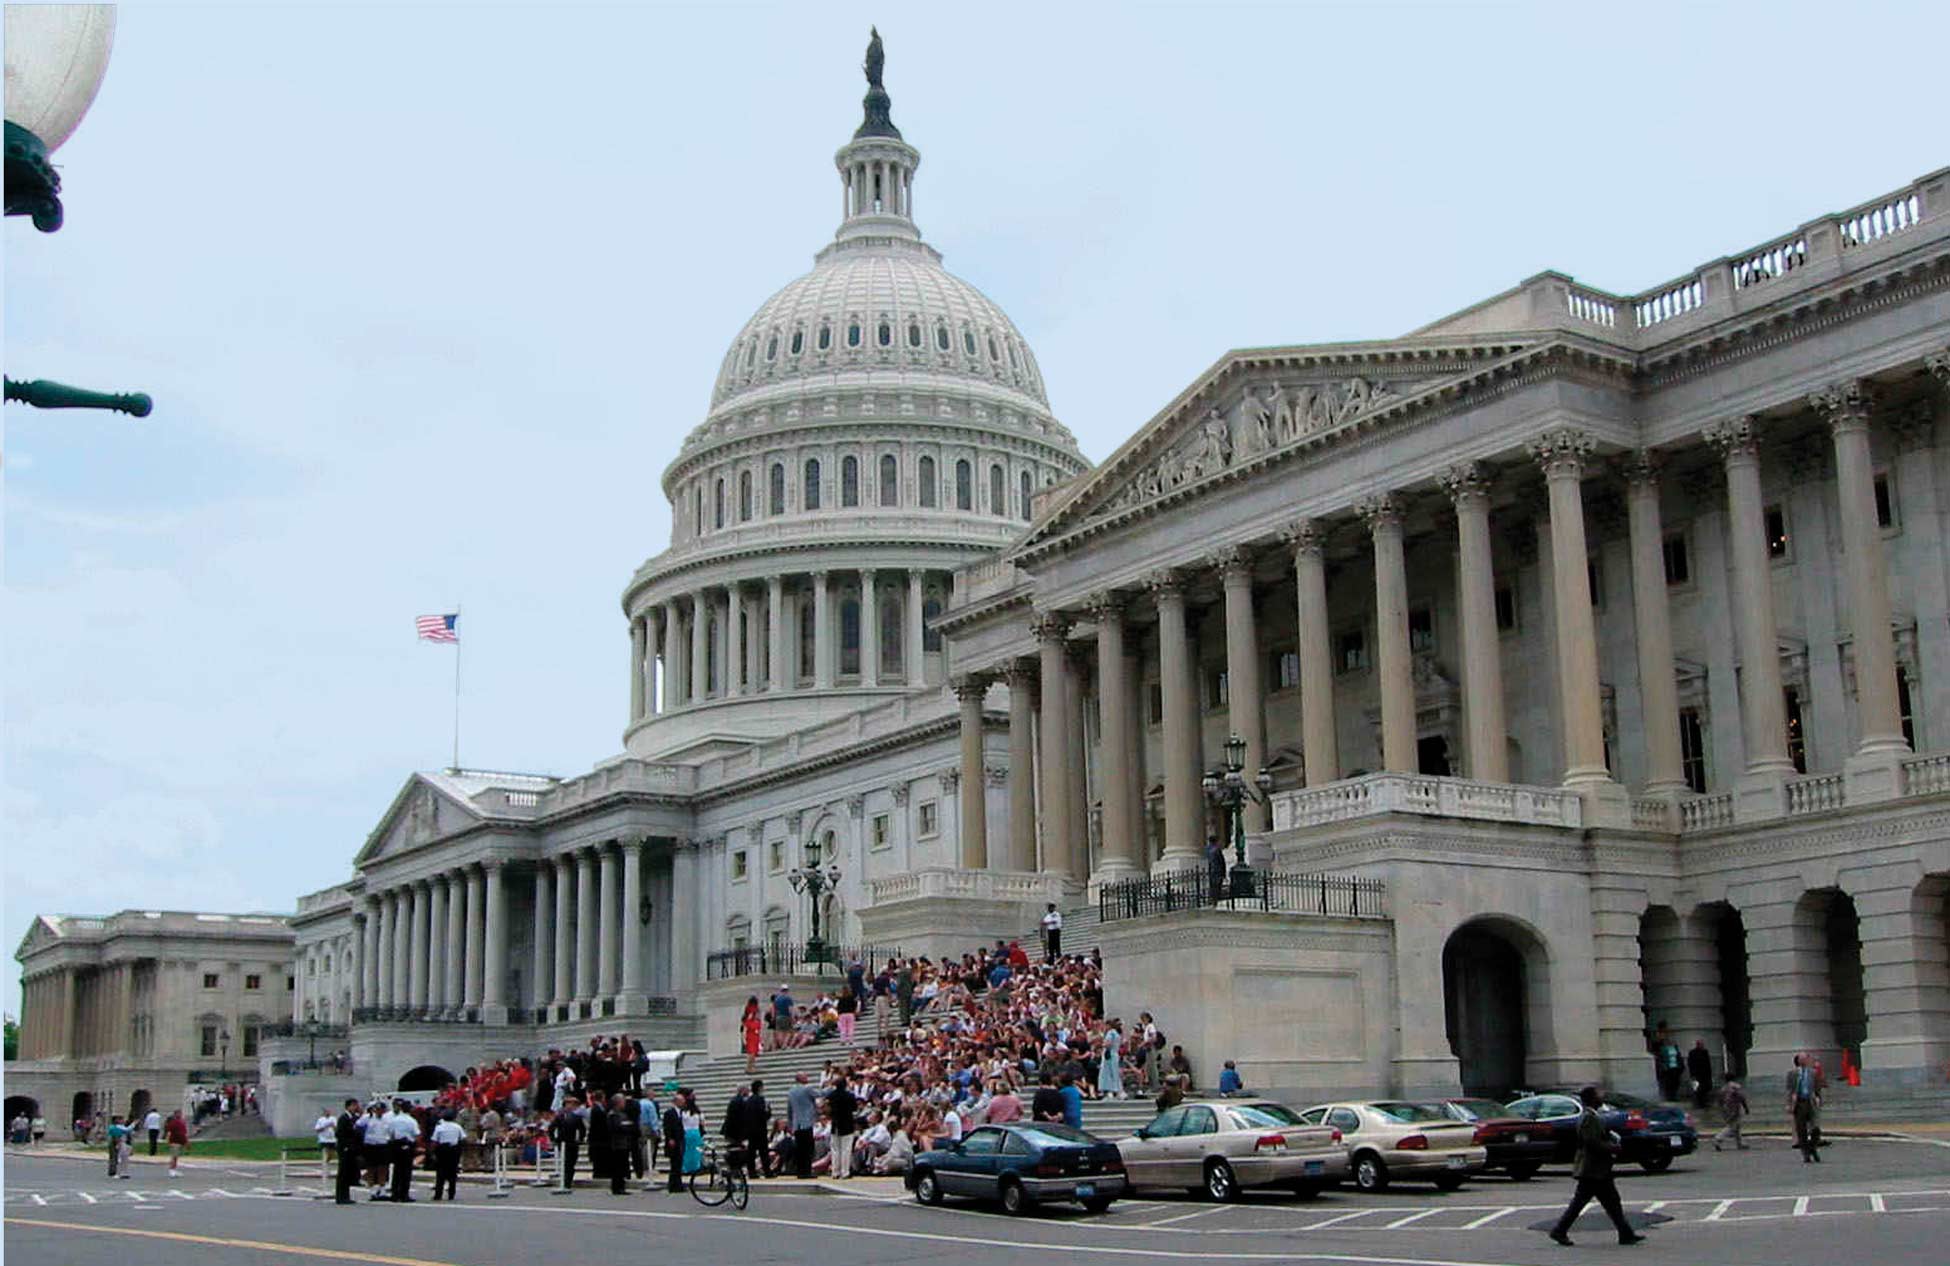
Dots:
{"x": 347, "y": 1137}
{"x": 674, "y": 1139}
{"x": 568, "y": 1133}
{"x": 1597, "y": 1148}
{"x": 758, "y": 1128}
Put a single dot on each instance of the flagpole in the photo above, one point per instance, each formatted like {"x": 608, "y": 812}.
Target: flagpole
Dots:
{"x": 456, "y": 688}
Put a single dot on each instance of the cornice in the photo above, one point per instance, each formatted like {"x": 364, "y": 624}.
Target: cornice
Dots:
{"x": 912, "y": 736}
{"x": 960, "y": 619}
{"x": 785, "y": 436}
{"x": 805, "y": 552}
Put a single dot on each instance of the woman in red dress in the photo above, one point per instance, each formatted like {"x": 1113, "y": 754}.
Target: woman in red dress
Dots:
{"x": 748, "y": 1027}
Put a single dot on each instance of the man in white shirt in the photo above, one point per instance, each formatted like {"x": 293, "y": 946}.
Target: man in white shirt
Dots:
{"x": 950, "y": 1129}
{"x": 446, "y": 1138}
{"x": 326, "y": 1131}
{"x": 405, "y": 1134}
{"x": 1052, "y": 933}
{"x": 153, "y": 1124}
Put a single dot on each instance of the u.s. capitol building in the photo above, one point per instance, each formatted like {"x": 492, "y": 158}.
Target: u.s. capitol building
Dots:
{"x": 1604, "y": 638}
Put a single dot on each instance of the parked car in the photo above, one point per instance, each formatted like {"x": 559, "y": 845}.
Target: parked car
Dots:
{"x": 1650, "y": 1134}
{"x": 1022, "y": 1165}
{"x": 1398, "y": 1139}
{"x": 1514, "y": 1144}
{"x": 1220, "y": 1147}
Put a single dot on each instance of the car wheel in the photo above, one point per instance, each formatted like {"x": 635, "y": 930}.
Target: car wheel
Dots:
{"x": 1097, "y": 1204}
{"x": 1015, "y": 1201}
{"x": 1656, "y": 1164}
{"x": 1369, "y": 1173}
{"x": 927, "y": 1188}
{"x": 1221, "y": 1184}
{"x": 1523, "y": 1171}
{"x": 1448, "y": 1182}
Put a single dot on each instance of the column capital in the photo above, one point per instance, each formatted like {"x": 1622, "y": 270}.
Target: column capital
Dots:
{"x": 1562, "y": 451}
{"x": 1105, "y": 605}
{"x": 1234, "y": 564}
{"x": 1166, "y": 583}
{"x": 1467, "y": 483}
{"x": 1845, "y": 404}
{"x": 1382, "y": 510}
{"x": 1050, "y": 626}
{"x": 1305, "y": 537}
{"x": 1914, "y": 426}
{"x": 1021, "y": 674}
{"x": 972, "y": 686}
{"x": 1640, "y": 468}
{"x": 1735, "y": 439}
{"x": 951, "y": 779}
{"x": 1938, "y": 363}
{"x": 995, "y": 775}
{"x": 866, "y": 576}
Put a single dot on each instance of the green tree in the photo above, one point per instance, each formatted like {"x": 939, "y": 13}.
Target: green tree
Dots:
{"x": 13, "y": 1038}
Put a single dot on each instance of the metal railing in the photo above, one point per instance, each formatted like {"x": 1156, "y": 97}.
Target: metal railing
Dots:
{"x": 306, "y": 1028}
{"x": 1334, "y": 896}
{"x": 787, "y": 960}
{"x": 414, "y": 1015}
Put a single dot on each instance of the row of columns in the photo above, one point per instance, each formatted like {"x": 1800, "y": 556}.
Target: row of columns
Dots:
{"x": 1563, "y": 456}
{"x": 766, "y": 659}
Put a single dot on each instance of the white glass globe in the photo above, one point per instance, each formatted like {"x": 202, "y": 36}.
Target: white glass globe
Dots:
{"x": 56, "y": 56}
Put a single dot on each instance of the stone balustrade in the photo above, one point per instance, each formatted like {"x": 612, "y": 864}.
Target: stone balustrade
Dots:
{"x": 1927, "y": 775}
{"x": 1816, "y": 794}
{"x": 1428, "y": 795}
{"x": 990, "y": 885}
{"x": 1704, "y": 813}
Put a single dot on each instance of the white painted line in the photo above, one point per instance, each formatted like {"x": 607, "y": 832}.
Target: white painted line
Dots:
{"x": 1875, "y": 1203}
{"x": 1184, "y": 1217}
{"x": 85, "y": 1196}
{"x": 1336, "y": 1221}
{"x": 1719, "y": 1211}
{"x": 1656, "y": 1205}
{"x": 1487, "y": 1218}
{"x": 40, "y": 1200}
{"x": 1413, "y": 1217}
{"x": 1801, "y": 1206}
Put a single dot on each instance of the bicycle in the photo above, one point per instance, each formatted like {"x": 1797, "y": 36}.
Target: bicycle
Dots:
{"x": 713, "y": 1183}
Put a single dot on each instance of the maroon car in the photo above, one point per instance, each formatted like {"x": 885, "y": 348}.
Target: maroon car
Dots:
{"x": 1515, "y": 1145}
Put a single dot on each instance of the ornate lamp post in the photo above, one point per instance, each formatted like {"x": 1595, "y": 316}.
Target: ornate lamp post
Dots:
{"x": 56, "y": 57}
{"x": 223, "y": 1046}
{"x": 811, "y": 880}
{"x": 1228, "y": 790}
{"x": 311, "y": 1032}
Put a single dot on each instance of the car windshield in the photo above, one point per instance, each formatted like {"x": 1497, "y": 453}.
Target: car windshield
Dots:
{"x": 1408, "y": 1113}
{"x": 1048, "y": 1133}
{"x": 1262, "y": 1115}
{"x": 1478, "y": 1109}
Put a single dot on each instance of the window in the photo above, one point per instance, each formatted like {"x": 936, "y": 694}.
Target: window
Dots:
{"x": 883, "y": 830}
{"x": 1885, "y": 507}
{"x": 886, "y": 333}
{"x": 998, "y": 500}
{"x": 1906, "y": 707}
{"x": 250, "y": 1041}
{"x": 1692, "y": 749}
{"x": 253, "y": 982}
{"x": 853, "y": 334}
{"x": 983, "y": 1142}
{"x": 1797, "y": 735}
{"x": 890, "y": 480}
{"x": 798, "y": 342}
{"x": 849, "y": 481}
{"x": 772, "y": 349}
{"x": 928, "y": 819}
{"x": 1217, "y": 691}
{"x": 890, "y": 632}
{"x": 1777, "y": 533}
{"x": 1286, "y": 670}
{"x": 741, "y": 865}
{"x": 1199, "y": 1120}
{"x": 207, "y": 1045}
{"x": 930, "y": 612}
{"x": 717, "y": 502}
{"x": 808, "y": 645}
{"x": 1593, "y": 578}
{"x": 926, "y": 479}
{"x": 968, "y": 341}
{"x": 1679, "y": 567}
{"x": 1344, "y": 1119}
{"x": 994, "y": 353}
{"x": 311, "y": 968}
{"x": 1351, "y": 651}
{"x": 825, "y": 337}
{"x": 775, "y": 493}
{"x": 1154, "y": 706}
{"x": 744, "y": 496}
{"x": 1027, "y": 490}
{"x": 964, "y": 485}
{"x": 913, "y": 333}
{"x": 209, "y": 980}
{"x": 1421, "y": 629}
{"x": 941, "y": 337}
{"x": 1506, "y": 608}
{"x": 1013, "y": 363}
{"x": 850, "y": 635}
{"x": 809, "y": 492}
{"x": 775, "y": 856}
{"x": 289, "y": 984}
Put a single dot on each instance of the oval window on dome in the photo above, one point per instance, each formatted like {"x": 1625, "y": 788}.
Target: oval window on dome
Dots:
{"x": 968, "y": 341}
{"x": 853, "y": 335}
{"x": 994, "y": 354}
{"x": 941, "y": 337}
{"x": 825, "y": 337}
{"x": 798, "y": 342}
{"x": 772, "y": 348}
{"x": 751, "y": 353}
{"x": 926, "y": 482}
{"x": 998, "y": 500}
{"x": 886, "y": 334}
{"x": 1028, "y": 496}
{"x": 913, "y": 333}
{"x": 1013, "y": 363}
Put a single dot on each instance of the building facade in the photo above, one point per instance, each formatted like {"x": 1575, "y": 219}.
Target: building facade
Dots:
{"x": 128, "y": 1011}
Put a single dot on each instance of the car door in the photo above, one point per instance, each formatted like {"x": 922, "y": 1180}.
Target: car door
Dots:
{"x": 1561, "y": 1114}
{"x": 1145, "y": 1157}
{"x": 1185, "y": 1157}
{"x": 978, "y": 1163}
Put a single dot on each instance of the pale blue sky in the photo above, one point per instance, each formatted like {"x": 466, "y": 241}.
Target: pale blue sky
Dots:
{"x": 428, "y": 297}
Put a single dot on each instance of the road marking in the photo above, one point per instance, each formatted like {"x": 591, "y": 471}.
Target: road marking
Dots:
{"x": 262, "y": 1246}
{"x": 40, "y": 1200}
{"x": 1657, "y": 1205}
{"x": 1413, "y": 1217}
{"x": 1719, "y": 1211}
{"x": 1183, "y": 1217}
{"x": 1336, "y": 1221}
{"x": 1801, "y": 1206}
{"x": 1875, "y": 1203}
{"x": 85, "y": 1196}
{"x": 1487, "y": 1218}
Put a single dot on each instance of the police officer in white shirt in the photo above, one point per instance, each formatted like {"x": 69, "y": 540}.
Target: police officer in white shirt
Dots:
{"x": 446, "y": 1138}
{"x": 326, "y": 1131}
{"x": 405, "y": 1134}
{"x": 1052, "y": 934}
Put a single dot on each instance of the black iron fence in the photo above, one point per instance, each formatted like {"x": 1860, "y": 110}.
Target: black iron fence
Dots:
{"x": 414, "y": 1015}
{"x": 307, "y": 1028}
{"x": 1342, "y": 896}
{"x": 787, "y": 960}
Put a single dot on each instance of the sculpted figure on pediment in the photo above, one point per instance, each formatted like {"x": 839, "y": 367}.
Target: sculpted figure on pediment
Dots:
{"x": 1256, "y": 425}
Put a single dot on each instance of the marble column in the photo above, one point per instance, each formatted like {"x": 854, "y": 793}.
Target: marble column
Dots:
{"x": 1562, "y": 454}
{"x": 606, "y": 928}
{"x": 730, "y": 656}
{"x": 476, "y": 935}
{"x": 370, "y": 992}
{"x": 700, "y": 673}
{"x": 1319, "y": 741}
{"x": 1665, "y": 774}
{"x": 1179, "y": 686}
{"x": 1134, "y": 745}
{"x": 1245, "y": 703}
{"x": 1393, "y": 663}
{"x": 586, "y": 921}
{"x": 684, "y": 903}
{"x": 456, "y": 963}
{"x": 676, "y": 680}
{"x": 563, "y": 865}
{"x": 916, "y": 665}
{"x": 974, "y": 820}
{"x": 542, "y": 971}
{"x": 783, "y": 669}
{"x": 359, "y": 944}
{"x": 1468, "y": 486}
{"x": 652, "y": 640}
{"x": 400, "y": 950}
{"x": 1875, "y": 769}
{"x": 421, "y": 907}
{"x": 639, "y": 641}
{"x": 1022, "y": 768}
{"x": 1763, "y": 709}
{"x": 869, "y": 629}
{"x": 1122, "y": 852}
{"x": 635, "y": 999}
{"x": 437, "y": 1000}
{"x": 1051, "y": 631}
{"x": 756, "y": 635}
{"x": 494, "y": 988}
{"x": 823, "y": 657}
{"x": 1079, "y": 763}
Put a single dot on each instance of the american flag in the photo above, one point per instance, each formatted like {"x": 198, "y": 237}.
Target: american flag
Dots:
{"x": 438, "y": 628}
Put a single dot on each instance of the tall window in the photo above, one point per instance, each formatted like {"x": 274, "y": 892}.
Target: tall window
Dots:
{"x": 890, "y": 479}
{"x": 1028, "y": 491}
{"x": 1775, "y": 519}
{"x": 1906, "y": 707}
{"x": 998, "y": 499}
{"x": 1421, "y": 629}
{"x": 850, "y": 635}
{"x": 1679, "y": 567}
{"x": 744, "y": 496}
{"x": 1692, "y": 749}
{"x": 808, "y": 638}
{"x": 717, "y": 502}
{"x": 775, "y": 495}
{"x": 964, "y": 485}
{"x": 1797, "y": 734}
{"x": 849, "y": 481}
{"x": 926, "y": 480}
{"x": 890, "y": 633}
{"x": 810, "y": 495}
{"x": 930, "y": 612}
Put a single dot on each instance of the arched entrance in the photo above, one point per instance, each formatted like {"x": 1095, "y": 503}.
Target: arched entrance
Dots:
{"x": 426, "y": 1077}
{"x": 139, "y": 1105}
{"x": 20, "y": 1106}
{"x": 1736, "y": 996}
{"x": 1494, "y": 991}
{"x": 1834, "y": 1014}
{"x": 83, "y": 1106}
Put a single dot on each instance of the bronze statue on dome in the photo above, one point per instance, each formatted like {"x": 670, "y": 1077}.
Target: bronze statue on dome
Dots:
{"x": 876, "y": 59}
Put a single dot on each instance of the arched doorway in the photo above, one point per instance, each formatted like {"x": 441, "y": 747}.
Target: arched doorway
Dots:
{"x": 83, "y": 1106}
{"x": 1834, "y": 1013}
{"x": 139, "y": 1105}
{"x": 1494, "y": 991}
{"x": 1736, "y": 988}
{"x": 1848, "y": 1005}
{"x": 426, "y": 1077}
{"x": 21, "y": 1106}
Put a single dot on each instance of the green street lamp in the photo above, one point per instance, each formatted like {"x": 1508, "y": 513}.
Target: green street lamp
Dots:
{"x": 814, "y": 882}
{"x": 1228, "y": 789}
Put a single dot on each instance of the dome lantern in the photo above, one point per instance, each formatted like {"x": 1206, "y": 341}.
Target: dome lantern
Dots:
{"x": 877, "y": 167}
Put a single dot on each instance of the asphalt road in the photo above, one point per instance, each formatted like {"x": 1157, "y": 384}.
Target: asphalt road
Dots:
{"x": 1869, "y": 1202}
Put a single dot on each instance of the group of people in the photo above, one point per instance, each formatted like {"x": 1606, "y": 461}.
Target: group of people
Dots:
{"x": 172, "y": 1131}
{"x": 1690, "y": 1076}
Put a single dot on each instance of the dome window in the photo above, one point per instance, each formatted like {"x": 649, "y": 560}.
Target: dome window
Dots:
{"x": 853, "y": 335}
{"x": 771, "y": 349}
{"x": 886, "y": 334}
{"x": 913, "y": 333}
{"x": 809, "y": 495}
{"x": 968, "y": 341}
{"x": 994, "y": 354}
{"x": 849, "y": 482}
{"x": 890, "y": 480}
{"x": 926, "y": 480}
{"x": 775, "y": 494}
{"x": 825, "y": 337}
{"x": 1028, "y": 495}
{"x": 998, "y": 499}
{"x": 717, "y": 502}
{"x": 798, "y": 342}
{"x": 930, "y": 612}
{"x": 964, "y": 485}
{"x": 850, "y": 635}
{"x": 744, "y": 496}
{"x": 941, "y": 337}
{"x": 1013, "y": 362}
{"x": 751, "y": 353}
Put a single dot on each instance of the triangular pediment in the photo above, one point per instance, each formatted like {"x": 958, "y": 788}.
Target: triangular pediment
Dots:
{"x": 40, "y": 934}
{"x": 422, "y": 812}
{"x": 1256, "y": 407}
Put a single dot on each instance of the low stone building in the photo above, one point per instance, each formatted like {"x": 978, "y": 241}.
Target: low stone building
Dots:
{"x": 128, "y": 1011}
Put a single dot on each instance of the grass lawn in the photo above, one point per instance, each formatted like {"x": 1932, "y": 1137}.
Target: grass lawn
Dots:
{"x": 303, "y": 1148}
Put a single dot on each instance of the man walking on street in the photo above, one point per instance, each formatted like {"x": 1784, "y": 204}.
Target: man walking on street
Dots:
{"x": 1052, "y": 933}
{"x": 1804, "y": 1087}
{"x": 802, "y": 1112}
{"x": 118, "y": 1148}
{"x": 1733, "y": 1109}
{"x": 1597, "y": 1148}
{"x": 446, "y": 1138}
{"x": 347, "y": 1133}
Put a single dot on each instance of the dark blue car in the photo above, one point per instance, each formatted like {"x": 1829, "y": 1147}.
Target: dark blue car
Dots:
{"x": 1651, "y": 1134}
{"x": 1021, "y": 1165}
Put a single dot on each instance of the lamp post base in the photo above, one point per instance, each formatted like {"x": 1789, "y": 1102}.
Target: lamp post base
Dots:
{"x": 1243, "y": 883}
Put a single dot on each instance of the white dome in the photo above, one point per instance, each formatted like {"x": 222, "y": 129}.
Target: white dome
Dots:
{"x": 879, "y": 303}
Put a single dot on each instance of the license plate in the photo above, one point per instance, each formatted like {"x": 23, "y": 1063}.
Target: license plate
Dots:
{"x": 1523, "y": 1138}
{"x": 1086, "y": 1190}
{"x": 1316, "y": 1167}
{"x": 1457, "y": 1162}
{"x": 1676, "y": 1141}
